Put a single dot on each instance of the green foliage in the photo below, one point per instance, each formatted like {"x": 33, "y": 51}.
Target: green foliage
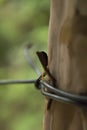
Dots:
{"x": 18, "y": 20}
{"x": 21, "y": 21}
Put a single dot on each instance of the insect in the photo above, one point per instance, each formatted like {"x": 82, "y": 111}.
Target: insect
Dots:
{"x": 44, "y": 61}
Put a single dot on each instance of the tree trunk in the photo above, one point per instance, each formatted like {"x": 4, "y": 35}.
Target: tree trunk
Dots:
{"x": 67, "y": 53}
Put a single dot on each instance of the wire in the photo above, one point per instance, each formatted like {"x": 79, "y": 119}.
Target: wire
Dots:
{"x": 5, "y": 82}
{"x": 30, "y": 60}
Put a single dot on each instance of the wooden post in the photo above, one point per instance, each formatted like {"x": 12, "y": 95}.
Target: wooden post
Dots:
{"x": 67, "y": 53}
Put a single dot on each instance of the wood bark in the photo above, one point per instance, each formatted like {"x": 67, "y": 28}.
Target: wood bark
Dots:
{"x": 67, "y": 53}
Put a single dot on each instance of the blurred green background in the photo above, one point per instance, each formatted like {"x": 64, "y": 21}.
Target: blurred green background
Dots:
{"x": 21, "y": 22}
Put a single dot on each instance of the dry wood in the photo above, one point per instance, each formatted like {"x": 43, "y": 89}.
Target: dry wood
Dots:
{"x": 67, "y": 61}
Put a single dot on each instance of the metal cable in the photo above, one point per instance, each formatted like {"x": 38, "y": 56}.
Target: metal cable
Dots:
{"x": 52, "y": 93}
{"x": 64, "y": 94}
{"x": 62, "y": 99}
{"x": 6, "y": 82}
{"x": 30, "y": 60}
